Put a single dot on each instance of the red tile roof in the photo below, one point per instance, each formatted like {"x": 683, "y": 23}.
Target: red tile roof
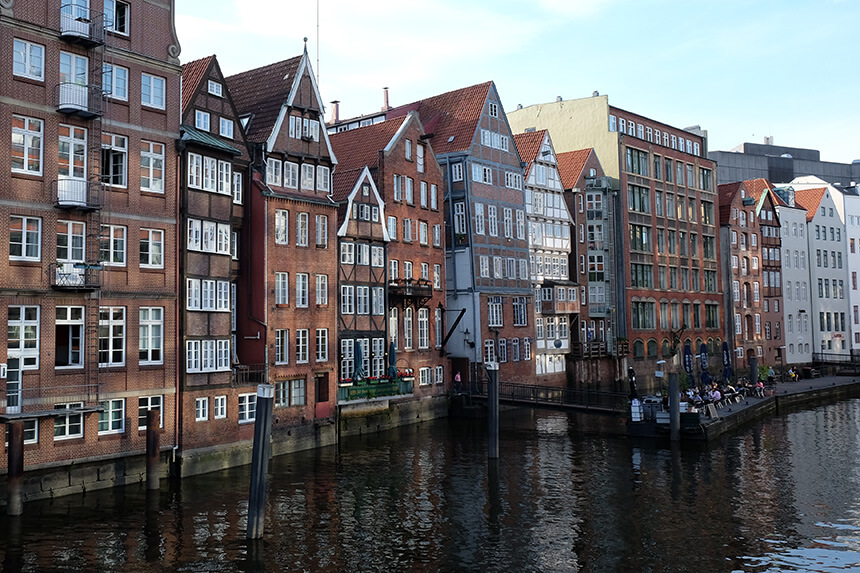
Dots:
{"x": 529, "y": 144}
{"x": 809, "y": 199}
{"x": 261, "y": 93}
{"x": 452, "y": 118}
{"x": 343, "y": 182}
{"x": 725, "y": 196}
{"x": 359, "y": 147}
{"x": 192, "y": 74}
{"x": 571, "y": 164}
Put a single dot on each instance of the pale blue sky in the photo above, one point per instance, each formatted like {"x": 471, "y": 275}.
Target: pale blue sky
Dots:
{"x": 741, "y": 69}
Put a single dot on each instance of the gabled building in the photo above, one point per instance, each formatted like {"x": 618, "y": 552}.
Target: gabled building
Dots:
{"x": 667, "y": 291}
{"x": 487, "y": 277}
{"x": 398, "y": 158}
{"x": 214, "y": 171}
{"x": 750, "y": 239}
{"x": 797, "y": 304}
{"x": 290, "y": 222}
{"x": 87, "y": 183}
{"x": 588, "y": 194}
{"x": 556, "y": 296}
{"x": 828, "y": 269}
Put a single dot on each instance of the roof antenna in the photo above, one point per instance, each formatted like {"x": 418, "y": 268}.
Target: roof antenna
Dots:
{"x": 318, "y": 41}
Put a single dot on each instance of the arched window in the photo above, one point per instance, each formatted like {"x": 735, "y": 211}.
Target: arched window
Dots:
{"x": 652, "y": 348}
{"x": 639, "y": 349}
{"x": 666, "y": 350}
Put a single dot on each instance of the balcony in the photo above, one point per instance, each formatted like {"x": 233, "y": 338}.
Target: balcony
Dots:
{"x": 588, "y": 350}
{"x": 410, "y": 291}
{"x": 372, "y": 390}
{"x": 76, "y": 276}
{"x": 78, "y": 99}
{"x": 78, "y": 194}
{"x": 80, "y": 25}
{"x": 249, "y": 374}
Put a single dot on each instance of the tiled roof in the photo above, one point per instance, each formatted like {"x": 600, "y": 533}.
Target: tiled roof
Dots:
{"x": 570, "y": 166}
{"x": 359, "y": 147}
{"x": 452, "y": 118}
{"x": 529, "y": 144}
{"x": 192, "y": 74}
{"x": 755, "y": 187}
{"x": 261, "y": 93}
{"x": 725, "y": 195}
{"x": 809, "y": 199}
{"x": 343, "y": 182}
{"x": 190, "y": 133}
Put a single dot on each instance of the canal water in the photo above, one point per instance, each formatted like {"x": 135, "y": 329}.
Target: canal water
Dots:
{"x": 781, "y": 495}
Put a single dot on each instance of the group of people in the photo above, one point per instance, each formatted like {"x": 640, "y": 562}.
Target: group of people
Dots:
{"x": 719, "y": 394}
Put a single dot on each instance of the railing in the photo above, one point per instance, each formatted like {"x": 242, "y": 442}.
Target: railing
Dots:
{"x": 79, "y": 24}
{"x": 75, "y": 276}
{"x": 562, "y": 397}
{"x": 78, "y": 194}
{"x": 378, "y": 390}
{"x": 586, "y": 350}
{"x": 834, "y": 358}
{"x": 37, "y": 399}
{"x": 249, "y": 374}
{"x": 84, "y": 100}
{"x": 410, "y": 288}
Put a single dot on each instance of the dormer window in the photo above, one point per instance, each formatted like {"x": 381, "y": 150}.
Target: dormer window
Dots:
{"x": 215, "y": 88}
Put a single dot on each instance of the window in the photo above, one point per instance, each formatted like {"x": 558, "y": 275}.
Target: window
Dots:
{"x": 115, "y": 81}
{"x": 26, "y": 149}
{"x": 116, "y": 19}
{"x": 459, "y": 218}
{"x": 201, "y": 409}
{"x": 237, "y": 188}
{"x": 494, "y": 311}
{"x": 152, "y": 91}
{"x": 508, "y": 218}
{"x": 419, "y": 150}
{"x": 489, "y": 351}
{"x": 273, "y": 171}
{"x": 28, "y": 60}
{"x": 410, "y": 190}
{"x": 282, "y": 346}
{"x": 282, "y": 226}
{"x": 520, "y": 315}
{"x": 423, "y": 328}
{"x": 226, "y": 127}
{"x": 282, "y": 288}
{"x": 457, "y": 171}
{"x": 493, "y": 220}
{"x": 112, "y": 245}
{"x": 347, "y": 299}
{"x": 637, "y": 161}
{"x": 151, "y": 337}
{"x": 322, "y": 345}
{"x": 23, "y": 335}
{"x": 112, "y": 336}
{"x": 247, "y": 408}
{"x": 302, "y": 287}
{"x": 25, "y": 238}
{"x": 144, "y": 405}
{"x": 112, "y": 417}
{"x": 307, "y": 177}
{"x": 201, "y": 119}
{"x": 114, "y": 160}
{"x": 302, "y": 230}
{"x": 437, "y": 235}
{"x": 68, "y": 425}
{"x": 407, "y": 328}
{"x": 321, "y": 289}
{"x": 151, "y": 167}
{"x": 151, "y": 248}
{"x": 68, "y": 337}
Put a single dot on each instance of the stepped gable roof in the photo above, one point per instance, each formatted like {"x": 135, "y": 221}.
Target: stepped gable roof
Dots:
{"x": 529, "y": 144}
{"x": 810, "y": 199}
{"x": 451, "y": 118}
{"x": 261, "y": 93}
{"x": 571, "y": 164}
{"x": 343, "y": 182}
{"x": 361, "y": 146}
{"x": 192, "y": 75}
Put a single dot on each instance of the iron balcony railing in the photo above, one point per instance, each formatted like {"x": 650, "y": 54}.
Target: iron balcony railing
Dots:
{"x": 81, "y": 25}
{"x": 78, "y": 194}
{"x": 75, "y": 275}
{"x": 84, "y": 100}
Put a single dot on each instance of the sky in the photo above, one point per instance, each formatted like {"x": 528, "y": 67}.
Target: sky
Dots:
{"x": 741, "y": 69}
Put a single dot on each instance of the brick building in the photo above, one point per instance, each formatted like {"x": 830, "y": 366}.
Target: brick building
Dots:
{"x": 752, "y": 270}
{"x": 214, "y": 168}
{"x": 290, "y": 220}
{"x": 88, "y": 196}
{"x": 556, "y": 296}
{"x": 409, "y": 182}
{"x": 665, "y": 263}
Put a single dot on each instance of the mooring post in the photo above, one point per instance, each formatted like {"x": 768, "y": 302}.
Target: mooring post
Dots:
{"x": 674, "y": 408}
{"x": 153, "y": 453}
{"x": 493, "y": 410}
{"x": 260, "y": 461}
{"x": 15, "y": 475}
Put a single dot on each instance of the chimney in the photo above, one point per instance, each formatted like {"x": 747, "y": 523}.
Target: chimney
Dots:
{"x": 335, "y": 112}
{"x": 385, "y": 106}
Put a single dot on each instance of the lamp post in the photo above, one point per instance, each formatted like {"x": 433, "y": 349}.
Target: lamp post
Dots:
{"x": 781, "y": 352}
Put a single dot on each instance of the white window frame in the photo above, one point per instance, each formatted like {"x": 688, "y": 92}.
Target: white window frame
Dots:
{"x": 152, "y": 91}
{"x": 225, "y": 127}
{"x": 151, "y": 162}
{"x": 115, "y": 81}
{"x": 30, "y": 139}
{"x": 29, "y": 238}
{"x": 247, "y": 407}
{"x": 117, "y": 245}
{"x": 219, "y": 410}
{"x": 23, "y": 56}
{"x": 110, "y": 323}
{"x": 202, "y": 119}
{"x": 201, "y": 409}
{"x": 155, "y": 256}
{"x": 151, "y": 335}
{"x": 112, "y": 417}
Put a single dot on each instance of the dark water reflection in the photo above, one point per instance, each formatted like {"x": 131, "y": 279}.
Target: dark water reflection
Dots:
{"x": 780, "y": 496}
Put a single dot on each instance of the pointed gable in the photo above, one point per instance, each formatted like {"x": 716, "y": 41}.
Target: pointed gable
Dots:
{"x": 529, "y": 145}
{"x": 261, "y": 93}
{"x": 571, "y": 164}
{"x": 451, "y": 118}
{"x": 810, "y": 199}
{"x": 192, "y": 74}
